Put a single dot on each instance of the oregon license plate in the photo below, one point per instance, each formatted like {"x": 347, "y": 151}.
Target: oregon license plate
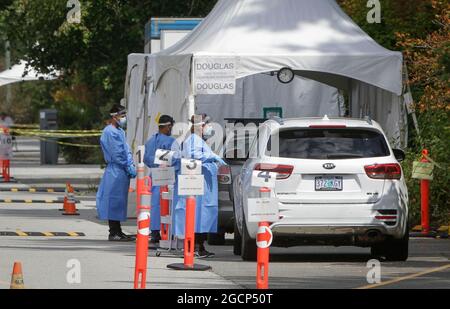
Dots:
{"x": 328, "y": 183}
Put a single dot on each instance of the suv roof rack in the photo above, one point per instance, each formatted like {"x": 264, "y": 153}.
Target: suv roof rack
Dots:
{"x": 277, "y": 119}
{"x": 368, "y": 120}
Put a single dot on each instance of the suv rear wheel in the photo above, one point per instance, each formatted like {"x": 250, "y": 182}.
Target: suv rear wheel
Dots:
{"x": 393, "y": 249}
{"x": 248, "y": 249}
{"x": 237, "y": 243}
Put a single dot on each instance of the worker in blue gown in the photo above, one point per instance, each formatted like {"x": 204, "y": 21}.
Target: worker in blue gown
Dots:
{"x": 206, "y": 211}
{"x": 161, "y": 140}
{"x": 112, "y": 195}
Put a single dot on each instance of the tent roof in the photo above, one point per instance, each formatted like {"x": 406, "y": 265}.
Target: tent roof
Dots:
{"x": 16, "y": 74}
{"x": 306, "y": 35}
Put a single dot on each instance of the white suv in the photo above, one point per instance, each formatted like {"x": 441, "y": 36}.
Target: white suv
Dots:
{"x": 338, "y": 183}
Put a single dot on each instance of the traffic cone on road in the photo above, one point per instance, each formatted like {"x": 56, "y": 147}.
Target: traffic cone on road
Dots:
{"x": 70, "y": 208}
{"x": 70, "y": 189}
{"x": 66, "y": 197}
{"x": 17, "y": 277}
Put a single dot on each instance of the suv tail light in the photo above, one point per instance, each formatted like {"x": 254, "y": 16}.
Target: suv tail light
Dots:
{"x": 224, "y": 175}
{"x": 283, "y": 171}
{"x": 384, "y": 171}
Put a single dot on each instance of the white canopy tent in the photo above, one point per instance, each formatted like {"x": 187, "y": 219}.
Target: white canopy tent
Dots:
{"x": 315, "y": 38}
{"x": 20, "y": 73}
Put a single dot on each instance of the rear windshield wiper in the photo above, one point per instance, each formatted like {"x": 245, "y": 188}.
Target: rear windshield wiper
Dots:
{"x": 343, "y": 155}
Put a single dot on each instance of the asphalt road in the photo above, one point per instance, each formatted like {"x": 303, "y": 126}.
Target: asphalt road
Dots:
{"x": 48, "y": 261}
{"x": 340, "y": 267}
{"x": 111, "y": 265}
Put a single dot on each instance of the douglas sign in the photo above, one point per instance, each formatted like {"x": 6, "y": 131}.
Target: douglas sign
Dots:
{"x": 215, "y": 76}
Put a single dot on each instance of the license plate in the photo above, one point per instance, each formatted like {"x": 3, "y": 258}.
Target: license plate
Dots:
{"x": 329, "y": 183}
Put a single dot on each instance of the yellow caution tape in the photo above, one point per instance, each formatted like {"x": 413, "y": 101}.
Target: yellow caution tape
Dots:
{"x": 56, "y": 135}
{"x": 69, "y": 144}
{"x": 31, "y": 126}
{"x": 58, "y": 131}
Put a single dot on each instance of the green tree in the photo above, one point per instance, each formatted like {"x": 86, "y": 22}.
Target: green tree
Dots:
{"x": 92, "y": 55}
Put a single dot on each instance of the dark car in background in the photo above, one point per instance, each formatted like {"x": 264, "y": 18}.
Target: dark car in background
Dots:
{"x": 235, "y": 151}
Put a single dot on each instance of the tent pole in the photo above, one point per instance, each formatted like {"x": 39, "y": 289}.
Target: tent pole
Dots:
{"x": 8, "y": 66}
{"x": 191, "y": 105}
{"x": 191, "y": 98}
{"x": 350, "y": 99}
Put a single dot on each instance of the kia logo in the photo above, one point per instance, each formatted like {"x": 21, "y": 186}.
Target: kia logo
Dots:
{"x": 329, "y": 166}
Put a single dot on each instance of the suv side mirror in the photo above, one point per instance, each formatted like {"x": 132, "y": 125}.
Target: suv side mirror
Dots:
{"x": 399, "y": 154}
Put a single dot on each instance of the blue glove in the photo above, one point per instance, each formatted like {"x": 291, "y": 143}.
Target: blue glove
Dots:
{"x": 131, "y": 170}
{"x": 221, "y": 161}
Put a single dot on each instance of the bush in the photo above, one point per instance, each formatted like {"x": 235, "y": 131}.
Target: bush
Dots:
{"x": 435, "y": 136}
{"x": 82, "y": 155}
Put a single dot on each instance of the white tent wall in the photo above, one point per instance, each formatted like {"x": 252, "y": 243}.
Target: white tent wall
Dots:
{"x": 301, "y": 98}
{"x": 135, "y": 99}
{"x": 387, "y": 108}
{"x": 170, "y": 94}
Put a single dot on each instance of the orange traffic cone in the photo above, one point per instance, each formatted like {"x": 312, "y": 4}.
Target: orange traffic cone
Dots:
{"x": 17, "y": 277}
{"x": 66, "y": 191}
{"x": 70, "y": 208}
{"x": 70, "y": 189}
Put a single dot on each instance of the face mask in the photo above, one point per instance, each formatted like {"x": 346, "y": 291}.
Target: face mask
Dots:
{"x": 123, "y": 122}
{"x": 207, "y": 132}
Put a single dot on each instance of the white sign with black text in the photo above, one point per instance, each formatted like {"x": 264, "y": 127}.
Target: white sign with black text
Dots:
{"x": 214, "y": 75}
{"x": 140, "y": 156}
{"x": 263, "y": 209}
{"x": 263, "y": 179}
{"x": 189, "y": 185}
{"x": 163, "y": 157}
{"x": 191, "y": 167}
{"x": 163, "y": 176}
{"x": 5, "y": 147}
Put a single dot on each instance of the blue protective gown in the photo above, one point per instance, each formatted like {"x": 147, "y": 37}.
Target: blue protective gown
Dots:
{"x": 157, "y": 141}
{"x": 206, "y": 211}
{"x": 112, "y": 195}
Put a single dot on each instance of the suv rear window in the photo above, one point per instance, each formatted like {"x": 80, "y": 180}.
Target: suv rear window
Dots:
{"x": 329, "y": 143}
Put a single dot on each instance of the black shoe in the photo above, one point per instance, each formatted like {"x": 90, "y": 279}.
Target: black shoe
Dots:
{"x": 131, "y": 237}
{"x": 155, "y": 237}
{"x": 118, "y": 237}
{"x": 201, "y": 254}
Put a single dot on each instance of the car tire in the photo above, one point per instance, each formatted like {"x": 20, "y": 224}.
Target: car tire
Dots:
{"x": 248, "y": 248}
{"x": 237, "y": 243}
{"x": 395, "y": 250}
{"x": 216, "y": 239}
